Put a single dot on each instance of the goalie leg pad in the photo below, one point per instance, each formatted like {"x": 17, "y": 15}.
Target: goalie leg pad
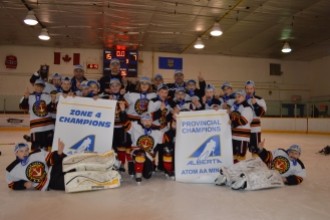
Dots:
{"x": 89, "y": 161}
{"x": 91, "y": 180}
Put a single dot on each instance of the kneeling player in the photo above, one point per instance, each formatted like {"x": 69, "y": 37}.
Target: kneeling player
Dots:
{"x": 285, "y": 168}
{"x": 42, "y": 170}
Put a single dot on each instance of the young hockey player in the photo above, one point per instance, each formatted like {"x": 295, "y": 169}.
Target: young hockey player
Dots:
{"x": 284, "y": 167}
{"x": 42, "y": 74}
{"x": 66, "y": 87}
{"x": 228, "y": 97}
{"x": 42, "y": 170}
{"x": 145, "y": 143}
{"x": 168, "y": 149}
{"x": 192, "y": 89}
{"x": 56, "y": 81}
{"x": 241, "y": 116}
{"x": 41, "y": 122}
{"x": 138, "y": 101}
{"x": 209, "y": 100}
{"x": 259, "y": 109}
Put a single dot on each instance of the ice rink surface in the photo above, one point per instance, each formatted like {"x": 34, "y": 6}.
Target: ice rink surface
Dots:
{"x": 163, "y": 199}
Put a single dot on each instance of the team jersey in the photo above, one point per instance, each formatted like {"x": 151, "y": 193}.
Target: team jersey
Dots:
{"x": 160, "y": 117}
{"x": 259, "y": 109}
{"x": 241, "y": 117}
{"x": 137, "y": 103}
{"x": 211, "y": 103}
{"x": 279, "y": 160}
{"x": 36, "y": 170}
{"x": 40, "y": 108}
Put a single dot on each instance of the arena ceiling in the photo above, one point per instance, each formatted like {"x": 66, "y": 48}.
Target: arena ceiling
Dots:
{"x": 251, "y": 28}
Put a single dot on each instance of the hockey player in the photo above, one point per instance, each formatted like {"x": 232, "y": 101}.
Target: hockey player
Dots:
{"x": 138, "y": 101}
{"x": 114, "y": 73}
{"x": 178, "y": 83}
{"x": 122, "y": 140}
{"x": 57, "y": 81}
{"x": 259, "y": 109}
{"x": 228, "y": 97}
{"x": 241, "y": 116}
{"x": 42, "y": 74}
{"x": 284, "y": 167}
{"x": 157, "y": 81}
{"x": 42, "y": 170}
{"x": 145, "y": 143}
{"x": 67, "y": 87}
{"x": 168, "y": 149}
{"x": 31, "y": 170}
{"x": 41, "y": 123}
{"x": 209, "y": 99}
{"x": 78, "y": 77}
{"x": 94, "y": 88}
{"x": 192, "y": 89}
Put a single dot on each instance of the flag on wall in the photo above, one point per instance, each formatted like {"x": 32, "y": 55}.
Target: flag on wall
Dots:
{"x": 57, "y": 58}
{"x": 170, "y": 63}
{"x": 76, "y": 58}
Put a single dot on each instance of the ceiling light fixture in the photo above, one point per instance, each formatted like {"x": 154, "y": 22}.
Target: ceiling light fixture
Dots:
{"x": 30, "y": 19}
{"x": 216, "y": 30}
{"x": 44, "y": 34}
{"x": 286, "y": 48}
{"x": 199, "y": 44}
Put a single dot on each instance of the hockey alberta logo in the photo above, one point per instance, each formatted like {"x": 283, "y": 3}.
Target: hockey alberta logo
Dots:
{"x": 40, "y": 108}
{"x": 35, "y": 172}
{"x": 86, "y": 144}
{"x": 207, "y": 152}
{"x": 281, "y": 164}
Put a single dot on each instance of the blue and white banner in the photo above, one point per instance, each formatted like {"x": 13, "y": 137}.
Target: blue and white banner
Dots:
{"x": 84, "y": 124}
{"x": 203, "y": 144}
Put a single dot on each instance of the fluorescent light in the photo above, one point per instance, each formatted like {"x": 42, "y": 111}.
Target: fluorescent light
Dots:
{"x": 286, "y": 48}
{"x": 199, "y": 44}
{"x": 216, "y": 30}
{"x": 44, "y": 34}
{"x": 30, "y": 19}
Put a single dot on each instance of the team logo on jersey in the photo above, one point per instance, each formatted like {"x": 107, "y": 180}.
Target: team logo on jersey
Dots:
{"x": 281, "y": 164}
{"x": 207, "y": 152}
{"x": 35, "y": 172}
{"x": 40, "y": 108}
{"x": 146, "y": 142}
{"x": 86, "y": 144}
{"x": 141, "y": 106}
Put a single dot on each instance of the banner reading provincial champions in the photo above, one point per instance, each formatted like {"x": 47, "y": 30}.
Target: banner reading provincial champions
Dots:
{"x": 84, "y": 124}
{"x": 203, "y": 144}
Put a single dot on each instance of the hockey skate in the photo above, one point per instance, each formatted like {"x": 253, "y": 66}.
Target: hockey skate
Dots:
{"x": 89, "y": 161}
{"x": 91, "y": 180}
{"x": 240, "y": 183}
{"x": 221, "y": 179}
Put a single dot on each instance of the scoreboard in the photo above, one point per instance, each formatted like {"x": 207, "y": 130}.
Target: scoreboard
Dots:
{"x": 128, "y": 61}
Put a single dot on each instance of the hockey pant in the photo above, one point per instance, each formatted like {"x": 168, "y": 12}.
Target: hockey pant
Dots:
{"x": 255, "y": 138}
{"x": 42, "y": 140}
{"x": 143, "y": 163}
{"x": 239, "y": 150}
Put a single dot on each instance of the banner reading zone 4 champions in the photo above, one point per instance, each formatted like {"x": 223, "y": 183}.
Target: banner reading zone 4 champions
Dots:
{"x": 84, "y": 124}
{"x": 203, "y": 144}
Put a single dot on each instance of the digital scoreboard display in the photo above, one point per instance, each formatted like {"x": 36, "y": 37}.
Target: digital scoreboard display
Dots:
{"x": 128, "y": 61}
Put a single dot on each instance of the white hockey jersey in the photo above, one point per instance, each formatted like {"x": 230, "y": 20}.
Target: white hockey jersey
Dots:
{"x": 259, "y": 109}
{"x": 241, "y": 117}
{"x": 36, "y": 171}
{"x": 137, "y": 103}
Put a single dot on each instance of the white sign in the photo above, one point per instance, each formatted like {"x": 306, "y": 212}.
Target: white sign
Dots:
{"x": 84, "y": 124}
{"x": 203, "y": 144}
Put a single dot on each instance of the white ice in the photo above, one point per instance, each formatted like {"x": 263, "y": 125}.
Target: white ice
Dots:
{"x": 162, "y": 199}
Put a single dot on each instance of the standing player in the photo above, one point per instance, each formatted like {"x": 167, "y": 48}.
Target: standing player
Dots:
{"x": 41, "y": 123}
{"x": 228, "y": 97}
{"x": 241, "y": 116}
{"x": 259, "y": 109}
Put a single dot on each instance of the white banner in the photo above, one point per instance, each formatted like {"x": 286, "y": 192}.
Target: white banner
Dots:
{"x": 203, "y": 144}
{"x": 84, "y": 124}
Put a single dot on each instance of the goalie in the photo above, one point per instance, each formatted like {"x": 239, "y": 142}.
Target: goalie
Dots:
{"x": 42, "y": 170}
{"x": 271, "y": 169}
